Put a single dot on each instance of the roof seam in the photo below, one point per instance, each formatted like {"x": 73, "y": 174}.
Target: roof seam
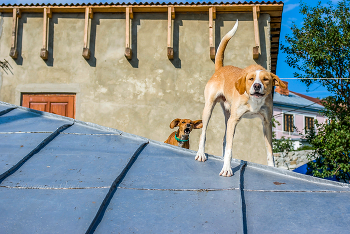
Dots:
{"x": 94, "y": 134}
{"x": 100, "y": 213}
{"x": 7, "y": 110}
{"x": 175, "y": 190}
{"x": 242, "y": 198}
{"x": 36, "y": 150}
{"x": 51, "y": 188}
{"x": 22, "y": 132}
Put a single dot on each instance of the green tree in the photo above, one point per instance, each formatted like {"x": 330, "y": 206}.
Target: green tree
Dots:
{"x": 332, "y": 150}
{"x": 284, "y": 145}
{"x": 320, "y": 48}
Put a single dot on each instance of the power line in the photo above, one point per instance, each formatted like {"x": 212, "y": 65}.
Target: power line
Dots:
{"x": 315, "y": 78}
{"x": 296, "y": 109}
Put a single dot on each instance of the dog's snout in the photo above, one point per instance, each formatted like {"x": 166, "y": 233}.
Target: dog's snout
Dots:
{"x": 188, "y": 125}
{"x": 257, "y": 86}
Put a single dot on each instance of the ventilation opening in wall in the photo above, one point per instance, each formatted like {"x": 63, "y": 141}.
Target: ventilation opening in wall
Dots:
{"x": 56, "y": 103}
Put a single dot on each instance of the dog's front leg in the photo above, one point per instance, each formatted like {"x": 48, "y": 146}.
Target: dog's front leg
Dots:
{"x": 230, "y": 130}
{"x": 208, "y": 108}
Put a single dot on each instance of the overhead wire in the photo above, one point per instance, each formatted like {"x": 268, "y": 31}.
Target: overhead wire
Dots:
{"x": 315, "y": 78}
{"x": 296, "y": 109}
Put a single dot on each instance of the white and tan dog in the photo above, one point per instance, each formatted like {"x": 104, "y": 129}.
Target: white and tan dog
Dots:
{"x": 242, "y": 93}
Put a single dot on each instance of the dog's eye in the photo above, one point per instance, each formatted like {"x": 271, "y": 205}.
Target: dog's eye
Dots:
{"x": 265, "y": 79}
{"x": 251, "y": 78}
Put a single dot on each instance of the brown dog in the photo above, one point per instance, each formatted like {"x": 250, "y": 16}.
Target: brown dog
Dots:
{"x": 241, "y": 93}
{"x": 181, "y": 137}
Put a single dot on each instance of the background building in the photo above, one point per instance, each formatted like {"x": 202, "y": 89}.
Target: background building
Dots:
{"x": 135, "y": 67}
{"x": 295, "y": 114}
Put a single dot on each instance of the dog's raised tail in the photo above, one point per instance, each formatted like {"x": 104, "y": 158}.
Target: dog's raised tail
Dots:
{"x": 219, "y": 57}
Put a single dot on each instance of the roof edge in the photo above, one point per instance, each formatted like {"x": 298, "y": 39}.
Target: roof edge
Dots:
{"x": 190, "y": 152}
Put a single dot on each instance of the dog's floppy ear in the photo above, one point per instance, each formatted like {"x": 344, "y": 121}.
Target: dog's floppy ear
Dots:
{"x": 197, "y": 124}
{"x": 277, "y": 81}
{"x": 240, "y": 84}
{"x": 175, "y": 123}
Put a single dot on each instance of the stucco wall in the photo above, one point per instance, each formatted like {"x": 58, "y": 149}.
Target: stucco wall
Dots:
{"x": 299, "y": 121}
{"x": 143, "y": 95}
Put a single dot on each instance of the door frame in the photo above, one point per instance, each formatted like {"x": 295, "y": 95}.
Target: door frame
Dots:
{"x": 49, "y": 88}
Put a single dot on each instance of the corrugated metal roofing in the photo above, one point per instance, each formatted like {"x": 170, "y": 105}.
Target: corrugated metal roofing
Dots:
{"x": 148, "y": 3}
{"x": 59, "y": 175}
{"x": 294, "y": 100}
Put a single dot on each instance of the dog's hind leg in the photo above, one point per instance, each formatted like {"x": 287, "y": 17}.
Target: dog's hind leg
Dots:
{"x": 227, "y": 116}
{"x": 208, "y": 108}
{"x": 268, "y": 136}
{"x": 268, "y": 141}
{"x": 266, "y": 116}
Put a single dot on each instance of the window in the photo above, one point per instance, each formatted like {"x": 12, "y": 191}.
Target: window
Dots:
{"x": 60, "y": 104}
{"x": 309, "y": 124}
{"x": 288, "y": 123}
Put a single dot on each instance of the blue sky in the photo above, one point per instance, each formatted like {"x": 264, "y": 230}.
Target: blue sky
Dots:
{"x": 290, "y": 14}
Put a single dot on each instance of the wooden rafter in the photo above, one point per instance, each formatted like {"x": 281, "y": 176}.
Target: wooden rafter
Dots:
{"x": 44, "y": 52}
{"x": 171, "y": 16}
{"x": 128, "y": 15}
{"x": 16, "y": 13}
{"x": 273, "y": 9}
{"x": 212, "y": 16}
{"x": 86, "y": 50}
{"x": 256, "y": 14}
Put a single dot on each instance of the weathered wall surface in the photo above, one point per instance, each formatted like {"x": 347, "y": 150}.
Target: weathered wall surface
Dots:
{"x": 291, "y": 160}
{"x": 141, "y": 96}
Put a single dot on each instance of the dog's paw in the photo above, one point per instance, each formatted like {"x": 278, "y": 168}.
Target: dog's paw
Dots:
{"x": 200, "y": 157}
{"x": 226, "y": 171}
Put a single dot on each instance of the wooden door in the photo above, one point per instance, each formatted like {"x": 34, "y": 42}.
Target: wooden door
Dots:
{"x": 60, "y": 104}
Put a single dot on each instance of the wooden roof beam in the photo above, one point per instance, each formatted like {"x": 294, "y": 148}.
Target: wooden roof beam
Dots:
{"x": 212, "y": 16}
{"x": 44, "y": 52}
{"x": 171, "y": 16}
{"x": 16, "y": 13}
{"x": 256, "y": 49}
{"x": 128, "y": 16}
{"x": 86, "y": 50}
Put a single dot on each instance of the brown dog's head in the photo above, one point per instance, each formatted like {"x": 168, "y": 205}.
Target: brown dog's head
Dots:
{"x": 185, "y": 126}
{"x": 258, "y": 83}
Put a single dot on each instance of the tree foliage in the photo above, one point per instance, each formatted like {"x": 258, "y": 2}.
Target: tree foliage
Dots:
{"x": 332, "y": 144}
{"x": 320, "y": 48}
{"x": 284, "y": 145}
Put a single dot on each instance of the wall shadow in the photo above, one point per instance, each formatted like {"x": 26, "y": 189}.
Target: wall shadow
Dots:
{"x": 263, "y": 56}
{"x": 51, "y": 36}
{"x": 21, "y": 21}
{"x": 134, "y": 61}
{"x": 51, "y": 39}
{"x": 219, "y": 23}
{"x": 92, "y": 44}
{"x": 176, "y": 38}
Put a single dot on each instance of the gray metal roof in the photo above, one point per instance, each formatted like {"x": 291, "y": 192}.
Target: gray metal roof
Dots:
{"x": 60, "y": 175}
{"x": 292, "y": 100}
